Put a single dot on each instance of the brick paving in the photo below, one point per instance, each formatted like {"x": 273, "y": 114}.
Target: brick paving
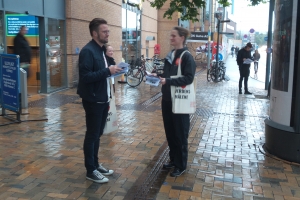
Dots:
{"x": 44, "y": 160}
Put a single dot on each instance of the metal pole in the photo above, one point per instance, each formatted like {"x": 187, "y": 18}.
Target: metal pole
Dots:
{"x": 217, "y": 54}
{"x": 209, "y": 36}
{"x": 268, "y": 67}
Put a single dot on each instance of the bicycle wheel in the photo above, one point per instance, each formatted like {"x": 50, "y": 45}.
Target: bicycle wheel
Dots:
{"x": 208, "y": 75}
{"x": 134, "y": 77}
{"x": 213, "y": 75}
{"x": 224, "y": 73}
{"x": 198, "y": 56}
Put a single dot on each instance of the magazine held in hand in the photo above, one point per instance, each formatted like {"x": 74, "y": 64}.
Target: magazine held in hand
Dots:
{"x": 124, "y": 67}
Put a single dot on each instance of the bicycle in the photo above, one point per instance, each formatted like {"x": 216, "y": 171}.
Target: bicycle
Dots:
{"x": 215, "y": 73}
{"x": 200, "y": 53}
{"x": 139, "y": 70}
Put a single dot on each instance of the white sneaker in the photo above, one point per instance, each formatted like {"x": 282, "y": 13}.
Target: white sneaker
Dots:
{"x": 97, "y": 177}
{"x": 105, "y": 171}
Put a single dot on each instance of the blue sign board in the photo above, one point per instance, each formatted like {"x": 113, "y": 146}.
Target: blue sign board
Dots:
{"x": 266, "y": 38}
{"x": 9, "y": 81}
{"x": 15, "y": 21}
{"x": 220, "y": 56}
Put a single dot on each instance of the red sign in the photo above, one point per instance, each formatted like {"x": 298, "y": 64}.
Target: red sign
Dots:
{"x": 157, "y": 49}
{"x": 214, "y": 50}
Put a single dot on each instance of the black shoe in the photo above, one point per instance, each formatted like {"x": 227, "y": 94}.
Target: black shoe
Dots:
{"x": 169, "y": 165}
{"x": 105, "y": 171}
{"x": 97, "y": 177}
{"x": 176, "y": 172}
{"x": 247, "y": 92}
{"x": 240, "y": 92}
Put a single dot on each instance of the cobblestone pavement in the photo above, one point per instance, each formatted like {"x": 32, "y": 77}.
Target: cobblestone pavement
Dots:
{"x": 43, "y": 159}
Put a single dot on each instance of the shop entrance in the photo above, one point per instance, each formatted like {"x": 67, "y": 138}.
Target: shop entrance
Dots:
{"x": 14, "y": 22}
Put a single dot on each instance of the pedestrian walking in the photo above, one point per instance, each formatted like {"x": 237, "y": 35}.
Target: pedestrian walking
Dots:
{"x": 236, "y": 49}
{"x": 232, "y": 51}
{"x": 256, "y": 57}
{"x": 94, "y": 89}
{"x": 176, "y": 125}
{"x": 243, "y": 54}
{"x": 22, "y": 48}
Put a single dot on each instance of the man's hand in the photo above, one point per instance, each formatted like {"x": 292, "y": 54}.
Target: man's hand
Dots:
{"x": 244, "y": 59}
{"x": 162, "y": 80}
{"x": 114, "y": 69}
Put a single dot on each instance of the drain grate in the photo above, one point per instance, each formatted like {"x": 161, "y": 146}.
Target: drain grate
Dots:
{"x": 204, "y": 112}
{"x": 53, "y": 101}
{"x": 138, "y": 107}
{"x": 152, "y": 99}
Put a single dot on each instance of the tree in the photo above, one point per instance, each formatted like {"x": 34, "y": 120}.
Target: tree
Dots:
{"x": 259, "y": 39}
{"x": 191, "y": 7}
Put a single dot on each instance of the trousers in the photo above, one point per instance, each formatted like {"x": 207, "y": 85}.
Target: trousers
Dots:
{"x": 95, "y": 117}
{"x": 244, "y": 74}
{"x": 176, "y": 129}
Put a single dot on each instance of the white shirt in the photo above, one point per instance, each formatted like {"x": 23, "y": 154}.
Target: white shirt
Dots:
{"x": 108, "y": 85}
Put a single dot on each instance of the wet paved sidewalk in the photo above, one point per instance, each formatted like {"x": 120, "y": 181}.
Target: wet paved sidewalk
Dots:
{"x": 44, "y": 159}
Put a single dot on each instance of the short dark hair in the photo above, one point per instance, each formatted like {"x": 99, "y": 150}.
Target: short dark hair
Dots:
{"x": 21, "y": 27}
{"x": 249, "y": 45}
{"x": 182, "y": 32}
{"x": 95, "y": 23}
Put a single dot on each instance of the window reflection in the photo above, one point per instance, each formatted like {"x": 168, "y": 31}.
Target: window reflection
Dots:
{"x": 131, "y": 33}
{"x": 55, "y": 58}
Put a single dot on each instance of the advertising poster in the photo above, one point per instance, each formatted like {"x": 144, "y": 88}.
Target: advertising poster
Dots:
{"x": 283, "y": 56}
{"x": 10, "y": 82}
{"x": 282, "y": 45}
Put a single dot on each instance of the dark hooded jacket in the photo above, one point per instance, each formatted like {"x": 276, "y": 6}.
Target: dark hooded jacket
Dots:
{"x": 188, "y": 69}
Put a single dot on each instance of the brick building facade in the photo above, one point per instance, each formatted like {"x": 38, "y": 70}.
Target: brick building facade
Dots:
{"x": 78, "y": 17}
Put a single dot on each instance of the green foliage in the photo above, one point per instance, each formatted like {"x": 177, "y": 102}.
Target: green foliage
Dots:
{"x": 188, "y": 8}
{"x": 259, "y": 39}
{"x": 256, "y": 2}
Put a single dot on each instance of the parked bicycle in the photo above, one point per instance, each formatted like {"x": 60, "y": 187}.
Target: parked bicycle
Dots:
{"x": 141, "y": 67}
{"x": 216, "y": 73}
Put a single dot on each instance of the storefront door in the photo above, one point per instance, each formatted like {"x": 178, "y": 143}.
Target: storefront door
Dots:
{"x": 55, "y": 54}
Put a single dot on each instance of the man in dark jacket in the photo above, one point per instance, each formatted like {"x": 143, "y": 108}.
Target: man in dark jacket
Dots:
{"x": 22, "y": 48}
{"x": 94, "y": 89}
{"x": 244, "y": 54}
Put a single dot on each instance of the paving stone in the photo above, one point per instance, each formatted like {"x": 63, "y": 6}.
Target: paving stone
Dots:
{"x": 44, "y": 159}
